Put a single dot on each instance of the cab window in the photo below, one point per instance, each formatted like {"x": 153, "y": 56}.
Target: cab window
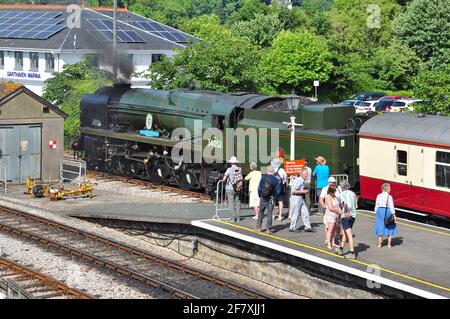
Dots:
{"x": 402, "y": 163}
{"x": 443, "y": 169}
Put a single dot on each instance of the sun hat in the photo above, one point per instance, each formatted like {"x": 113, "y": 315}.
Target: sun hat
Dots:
{"x": 321, "y": 159}
{"x": 275, "y": 163}
{"x": 332, "y": 180}
{"x": 233, "y": 160}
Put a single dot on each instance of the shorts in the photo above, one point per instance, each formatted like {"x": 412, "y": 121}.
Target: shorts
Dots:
{"x": 254, "y": 199}
{"x": 330, "y": 218}
{"x": 347, "y": 222}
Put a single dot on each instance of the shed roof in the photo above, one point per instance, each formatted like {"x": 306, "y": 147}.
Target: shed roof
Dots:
{"x": 430, "y": 129}
{"x": 9, "y": 90}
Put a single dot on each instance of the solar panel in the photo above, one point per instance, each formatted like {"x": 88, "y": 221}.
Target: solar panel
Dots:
{"x": 162, "y": 31}
{"x": 29, "y": 24}
{"x": 124, "y": 33}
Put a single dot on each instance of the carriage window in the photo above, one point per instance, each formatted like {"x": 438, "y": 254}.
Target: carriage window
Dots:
{"x": 402, "y": 163}
{"x": 443, "y": 169}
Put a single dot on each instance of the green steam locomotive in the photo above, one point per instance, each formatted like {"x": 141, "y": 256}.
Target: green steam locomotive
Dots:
{"x": 182, "y": 137}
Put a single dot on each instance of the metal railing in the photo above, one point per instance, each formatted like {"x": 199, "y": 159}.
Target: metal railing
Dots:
{"x": 315, "y": 197}
{"x": 4, "y": 178}
{"x": 72, "y": 170}
{"x": 221, "y": 201}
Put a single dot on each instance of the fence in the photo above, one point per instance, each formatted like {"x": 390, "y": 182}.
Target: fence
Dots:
{"x": 72, "y": 170}
{"x": 221, "y": 202}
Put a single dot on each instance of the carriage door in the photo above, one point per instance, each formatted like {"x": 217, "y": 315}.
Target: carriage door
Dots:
{"x": 402, "y": 164}
{"x": 416, "y": 166}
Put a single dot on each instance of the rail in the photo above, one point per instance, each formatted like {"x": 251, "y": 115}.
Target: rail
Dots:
{"x": 122, "y": 258}
{"x": 39, "y": 285}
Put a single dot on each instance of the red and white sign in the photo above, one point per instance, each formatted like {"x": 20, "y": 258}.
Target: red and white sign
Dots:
{"x": 294, "y": 167}
{"x": 52, "y": 144}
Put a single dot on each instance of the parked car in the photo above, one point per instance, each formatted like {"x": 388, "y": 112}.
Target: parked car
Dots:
{"x": 368, "y": 96}
{"x": 394, "y": 97}
{"x": 365, "y": 106}
{"x": 384, "y": 105}
{"x": 349, "y": 102}
{"x": 405, "y": 104}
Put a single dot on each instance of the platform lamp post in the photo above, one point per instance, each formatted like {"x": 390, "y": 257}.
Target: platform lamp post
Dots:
{"x": 293, "y": 102}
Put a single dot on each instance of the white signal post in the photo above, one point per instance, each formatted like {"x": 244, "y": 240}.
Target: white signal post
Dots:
{"x": 293, "y": 102}
{"x": 316, "y": 85}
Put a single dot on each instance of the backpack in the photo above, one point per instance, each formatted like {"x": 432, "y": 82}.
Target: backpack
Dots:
{"x": 238, "y": 180}
{"x": 280, "y": 180}
{"x": 267, "y": 189}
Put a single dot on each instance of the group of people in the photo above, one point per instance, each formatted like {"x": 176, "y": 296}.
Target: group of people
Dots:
{"x": 337, "y": 203}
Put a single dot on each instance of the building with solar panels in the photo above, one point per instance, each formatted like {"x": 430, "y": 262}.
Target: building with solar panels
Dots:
{"x": 38, "y": 40}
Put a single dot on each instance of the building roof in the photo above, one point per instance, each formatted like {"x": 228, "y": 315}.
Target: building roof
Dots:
{"x": 86, "y": 37}
{"x": 430, "y": 129}
{"x": 9, "y": 90}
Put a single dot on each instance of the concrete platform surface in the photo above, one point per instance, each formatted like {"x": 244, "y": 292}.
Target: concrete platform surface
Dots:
{"x": 108, "y": 204}
{"x": 418, "y": 263}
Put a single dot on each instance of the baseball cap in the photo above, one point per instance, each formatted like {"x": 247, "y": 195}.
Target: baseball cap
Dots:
{"x": 332, "y": 180}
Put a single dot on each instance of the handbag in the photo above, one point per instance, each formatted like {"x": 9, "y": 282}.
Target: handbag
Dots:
{"x": 388, "y": 221}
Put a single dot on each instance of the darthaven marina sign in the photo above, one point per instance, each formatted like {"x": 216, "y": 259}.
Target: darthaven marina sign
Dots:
{"x": 29, "y": 75}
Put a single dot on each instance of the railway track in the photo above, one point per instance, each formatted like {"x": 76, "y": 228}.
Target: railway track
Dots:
{"x": 35, "y": 285}
{"x": 101, "y": 176}
{"x": 174, "y": 279}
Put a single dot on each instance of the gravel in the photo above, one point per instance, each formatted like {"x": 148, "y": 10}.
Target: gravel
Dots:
{"x": 108, "y": 287}
{"x": 84, "y": 277}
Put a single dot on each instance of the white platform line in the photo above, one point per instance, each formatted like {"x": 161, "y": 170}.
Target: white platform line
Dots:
{"x": 318, "y": 260}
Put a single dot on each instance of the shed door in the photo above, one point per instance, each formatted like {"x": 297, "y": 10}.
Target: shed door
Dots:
{"x": 20, "y": 152}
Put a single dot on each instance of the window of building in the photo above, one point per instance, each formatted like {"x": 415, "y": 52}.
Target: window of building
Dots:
{"x": 402, "y": 163}
{"x": 34, "y": 61}
{"x": 443, "y": 169}
{"x": 18, "y": 57}
{"x": 49, "y": 62}
{"x": 2, "y": 59}
{"x": 157, "y": 57}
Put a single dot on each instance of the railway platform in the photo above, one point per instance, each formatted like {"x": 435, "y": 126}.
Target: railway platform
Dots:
{"x": 416, "y": 265}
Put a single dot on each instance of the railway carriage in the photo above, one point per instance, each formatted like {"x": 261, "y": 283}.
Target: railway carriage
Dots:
{"x": 412, "y": 153}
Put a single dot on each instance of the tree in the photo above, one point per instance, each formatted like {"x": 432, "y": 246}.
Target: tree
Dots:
{"x": 425, "y": 28}
{"x": 294, "y": 61}
{"x": 220, "y": 62}
{"x": 434, "y": 87}
{"x": 394, "y": 67}
{"x": 66, "y": 88}
{"x": 261, "y": 30}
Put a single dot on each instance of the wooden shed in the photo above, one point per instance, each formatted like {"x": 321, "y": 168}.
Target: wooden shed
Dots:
{"x": 31, "y": 135}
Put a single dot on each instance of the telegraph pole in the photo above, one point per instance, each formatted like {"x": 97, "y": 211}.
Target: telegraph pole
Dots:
{"x": 115, "y": 41}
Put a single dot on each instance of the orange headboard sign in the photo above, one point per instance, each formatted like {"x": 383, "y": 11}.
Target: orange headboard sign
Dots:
{"x": 294, "y": 167}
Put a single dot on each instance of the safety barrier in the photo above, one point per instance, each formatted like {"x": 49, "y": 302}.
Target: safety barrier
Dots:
{"x": 4, "y": 178}
{"x": 221, "y": 202}
{"x": 72, "y": 170}
{"x": 315, "y": 197}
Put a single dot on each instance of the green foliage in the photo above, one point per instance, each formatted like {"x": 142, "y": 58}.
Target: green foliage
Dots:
{"x": 261, "y": 30}
{"x": 66, "y": 88}
{"x": 220, "y": 62}
{"x": 425, "y": 28}
{"x": 394, "y": 67}
{"x": 294, "y": 61}
{"x": 433, "y": 86}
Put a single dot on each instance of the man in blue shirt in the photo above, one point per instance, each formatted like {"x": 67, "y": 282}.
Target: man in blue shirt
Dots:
{"x": 321, "y": 172}
{"x": 268, "y": 190}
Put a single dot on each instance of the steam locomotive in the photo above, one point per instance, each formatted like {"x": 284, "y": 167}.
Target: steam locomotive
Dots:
{"x": 133, "y": 132}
